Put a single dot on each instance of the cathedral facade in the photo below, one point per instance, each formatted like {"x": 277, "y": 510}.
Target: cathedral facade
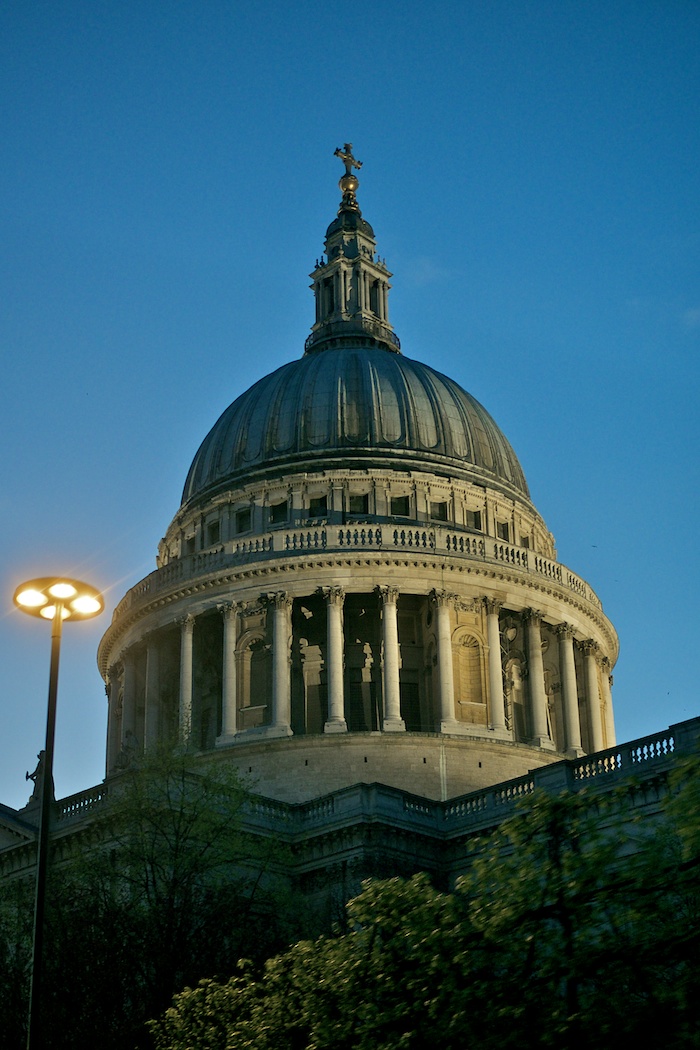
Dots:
{"x": 357, "y": 587}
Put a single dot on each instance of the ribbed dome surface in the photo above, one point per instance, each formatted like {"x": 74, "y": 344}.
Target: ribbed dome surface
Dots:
{"x": 354, "y": 407}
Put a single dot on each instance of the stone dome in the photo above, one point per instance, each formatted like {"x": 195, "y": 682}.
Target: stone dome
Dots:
{"x": 356, "y": 406}
{"x": 356, "y": 586}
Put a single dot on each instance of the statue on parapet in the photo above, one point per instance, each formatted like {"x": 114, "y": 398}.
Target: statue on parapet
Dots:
{"x": 129, "y": 751}
{"x": 37, "y": 778}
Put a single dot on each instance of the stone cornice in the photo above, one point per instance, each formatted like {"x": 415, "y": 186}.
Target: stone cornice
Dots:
{"x": 432, "y": 561}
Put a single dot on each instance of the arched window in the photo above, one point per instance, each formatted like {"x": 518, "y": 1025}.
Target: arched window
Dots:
{"x": 254, "y": 667}
{"x": 470, "y": 697}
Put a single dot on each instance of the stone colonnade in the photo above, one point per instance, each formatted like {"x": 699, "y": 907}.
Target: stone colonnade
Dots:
{"x": 125, "y": 736}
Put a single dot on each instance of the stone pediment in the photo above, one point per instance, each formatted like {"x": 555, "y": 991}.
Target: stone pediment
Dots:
{"x": 14, "y": 829}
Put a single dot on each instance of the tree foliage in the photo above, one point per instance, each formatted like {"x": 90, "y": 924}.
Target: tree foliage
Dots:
{"x": 573, "y": 928}
{"x": 166, "y": 892}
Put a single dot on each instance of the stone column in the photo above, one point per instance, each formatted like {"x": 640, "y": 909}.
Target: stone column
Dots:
{"x": 569, "y": 691}
{"x": 393, "y": 722}
{"x": 609, "y": 721}
{"x": 336, "y": 723}
{"x": 535, "y": 667}
{"x": 129, "y": 704}
{"x": 114, "y": 743}
{"x": 229, "y": 612}
{"x": 590, "y": 649}
{"x": 281, "y": 663}
{"x": 443, "y": 603}
{"x": 152, "y": 703}
{"x": 186, "y": 646}
{"x": 493, "y": 637}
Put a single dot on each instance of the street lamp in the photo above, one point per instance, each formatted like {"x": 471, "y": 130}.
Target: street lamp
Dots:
{"x": 53, "y": 598}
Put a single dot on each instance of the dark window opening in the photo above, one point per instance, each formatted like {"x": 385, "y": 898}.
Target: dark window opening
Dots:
{"x": 318, "y": 506}
{"x": 400, "y": 506}
{"x": 279, "y": 513}
{"x": 358, "y": 504}
{"x": 243, "y": 520}
{"x": 502, "y": 530}
{"x": 474, "y": 520}
{"x": 329, "y": 291}
{"x": 374, "y": 298}
{"x": 213, "y": 533}
{"x": 438, "y": 511}
{"x": 189, "y": 545}
{"x": 524, "y": 541}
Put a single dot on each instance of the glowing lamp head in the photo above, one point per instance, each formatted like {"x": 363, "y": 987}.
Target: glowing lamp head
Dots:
{"x": 43, "y": 597}
{"x": 29, "y": 598}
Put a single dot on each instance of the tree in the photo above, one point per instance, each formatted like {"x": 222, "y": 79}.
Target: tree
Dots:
{"x": 162, "y": 890}
{"x": 572, "y": 928}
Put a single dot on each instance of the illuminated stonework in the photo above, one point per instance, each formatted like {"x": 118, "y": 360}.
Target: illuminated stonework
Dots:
{"x": 357, "y": 586}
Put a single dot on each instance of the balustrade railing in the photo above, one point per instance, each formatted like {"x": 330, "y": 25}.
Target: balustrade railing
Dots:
{"x": 358, "y": 536}
{"x": 643, "y": 757}
{"x": 627, "y": 758}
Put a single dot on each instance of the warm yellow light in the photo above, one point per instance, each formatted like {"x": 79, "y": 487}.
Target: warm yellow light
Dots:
{"x": 31, "y": 598}
{"x": 62, "y": 590}
{"x": 86, "y": 605}
{"x": 43, "y": 596}
{"x": 49, "y": 612}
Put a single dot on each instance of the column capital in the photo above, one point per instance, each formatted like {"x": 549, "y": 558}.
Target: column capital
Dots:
{"x": 442, "y": 598}
{"x": 115, "y": 672}
{"x": 187, "y": 622}
{"x": 388, "y": 594}
{"x": 333, "y": 595}
{"x": 227, "y": 609}
{"x": 591, "y": 648}
{"x": 533, "y": 616}
{"x": 278, "y": 600}
{"x": 492, "y": 605}
{"x": 565, "y": 630}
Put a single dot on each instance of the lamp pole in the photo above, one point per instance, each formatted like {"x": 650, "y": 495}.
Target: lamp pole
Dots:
{"x": 53, "y": 599}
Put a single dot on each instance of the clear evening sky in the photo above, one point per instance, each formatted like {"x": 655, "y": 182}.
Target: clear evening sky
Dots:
{"x": 531, "y": 173}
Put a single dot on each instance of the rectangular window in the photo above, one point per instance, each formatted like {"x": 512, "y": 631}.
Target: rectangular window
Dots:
{"x": 358, "y": 504}
{"x": 213, "y": 533}
{"x": 474, "y": 520}
{"x": 400, "y": 506}
{"x": 329, "y": 295}
{"x": 318, "y": 506}
{"x": 438, "y": 511}
{"x": 524, "y": 541}
{"x": 189, "y": 545}
{"x": 502, "y": 530}
{"x": 279, "y": 513}
{"x": 243, "y": 519}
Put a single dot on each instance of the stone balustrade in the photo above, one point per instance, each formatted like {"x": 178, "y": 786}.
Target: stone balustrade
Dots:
{"x": 343, "y": 538}
{"x": 646, "y": 758}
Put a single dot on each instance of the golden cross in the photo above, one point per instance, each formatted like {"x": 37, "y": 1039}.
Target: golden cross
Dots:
{"x": 347, "y": 158}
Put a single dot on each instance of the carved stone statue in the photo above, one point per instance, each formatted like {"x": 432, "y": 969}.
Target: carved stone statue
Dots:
{"x": 37, "y": 778}
{"x": 128, "y": 751}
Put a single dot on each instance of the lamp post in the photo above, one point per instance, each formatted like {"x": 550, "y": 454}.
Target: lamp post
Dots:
{"x": 53, "y": 598}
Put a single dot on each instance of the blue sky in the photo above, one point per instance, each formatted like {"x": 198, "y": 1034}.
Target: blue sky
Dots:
{"x": 531, "y": 172}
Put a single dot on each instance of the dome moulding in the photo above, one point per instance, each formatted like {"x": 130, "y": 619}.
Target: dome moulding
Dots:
{"x": 357, "y": 586}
